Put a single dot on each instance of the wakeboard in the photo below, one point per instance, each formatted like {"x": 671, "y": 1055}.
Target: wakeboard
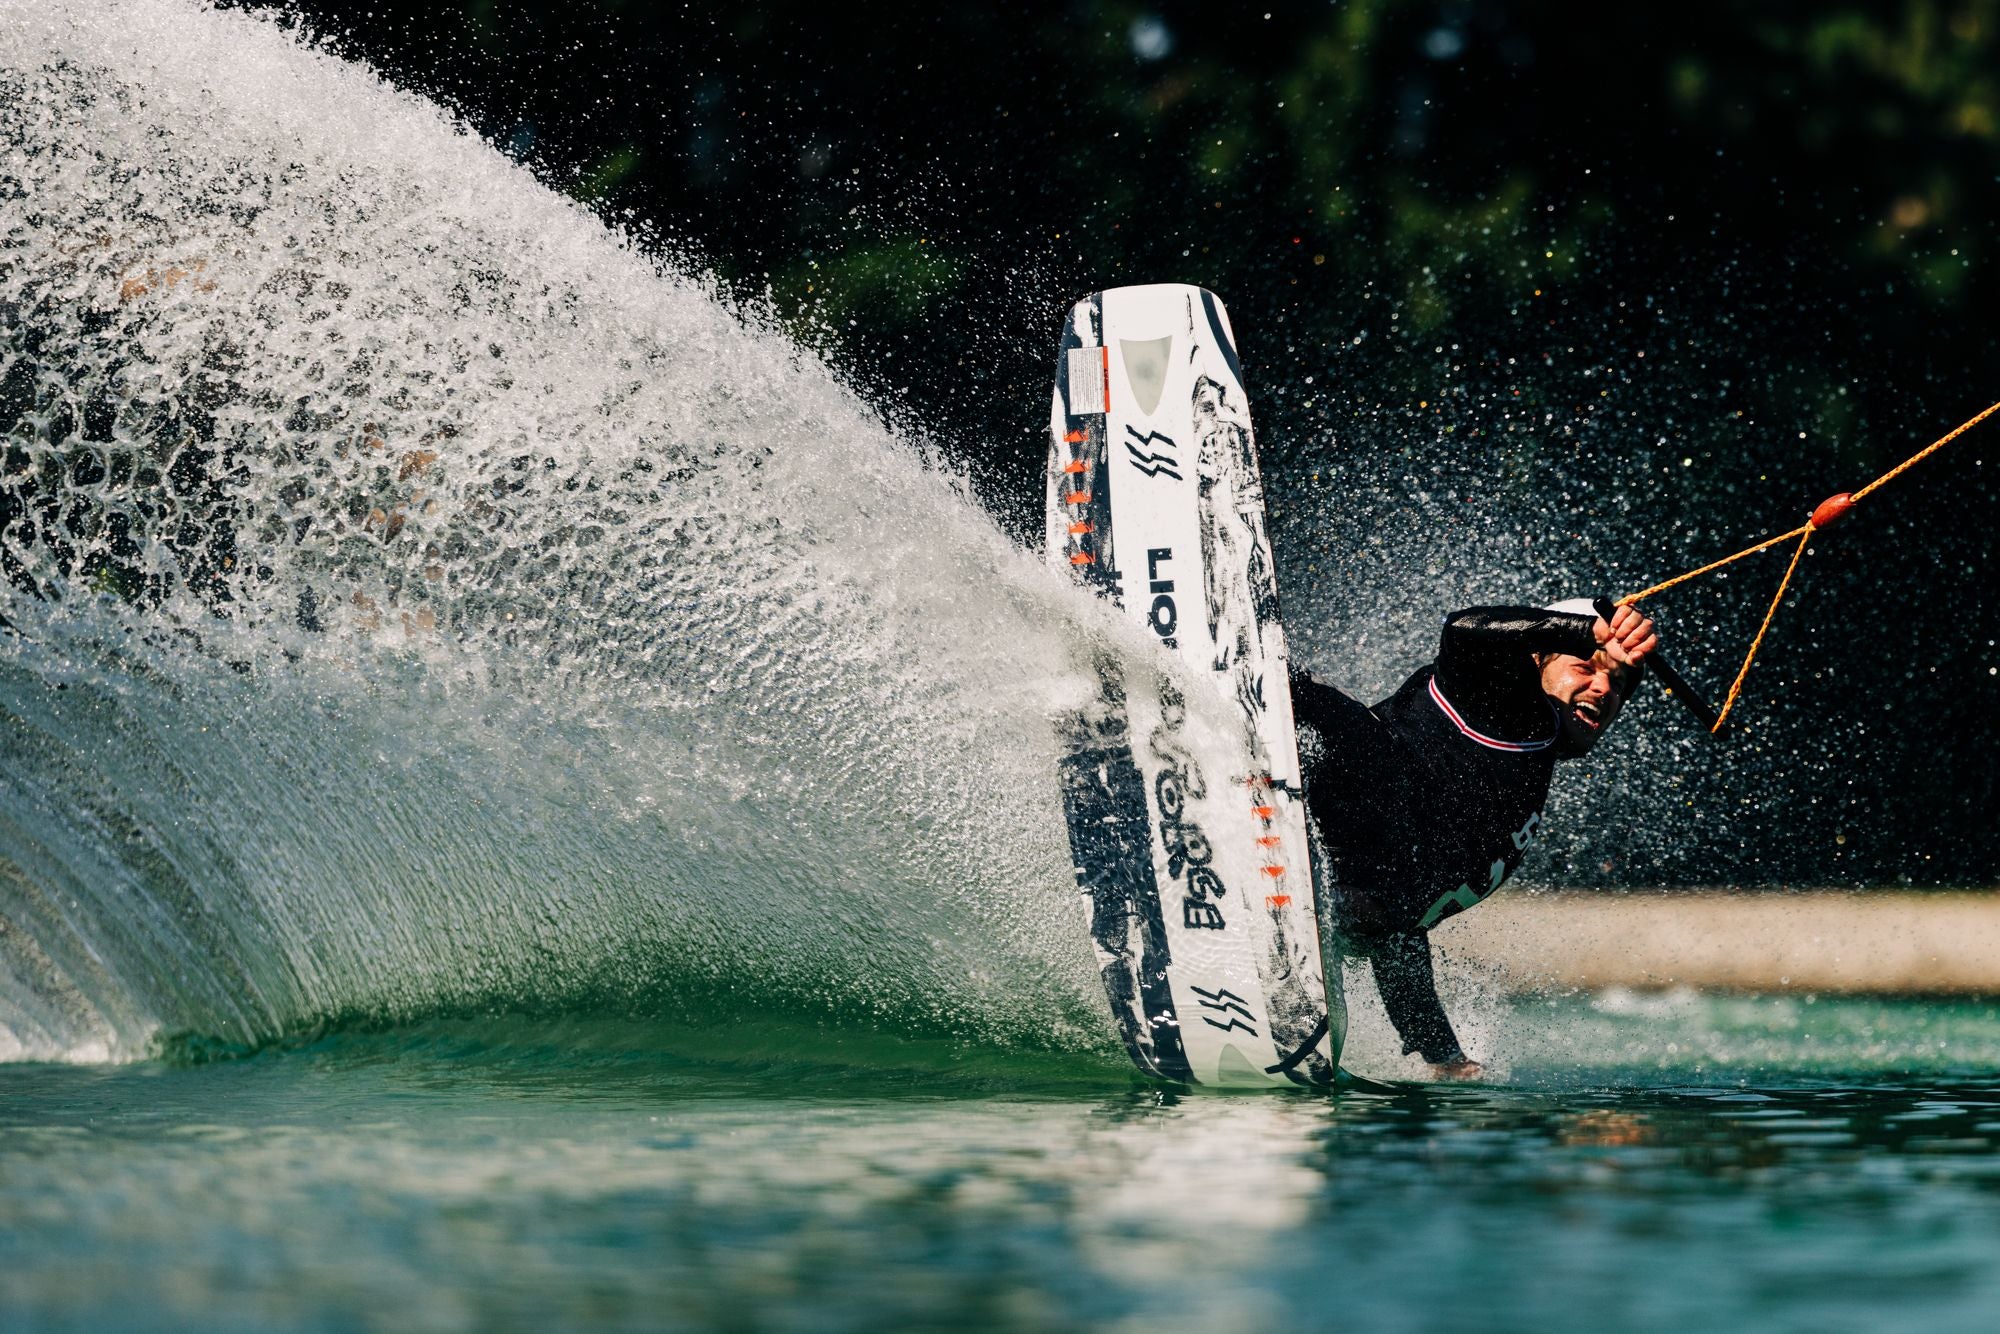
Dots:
{"x": 1190, "y": 842}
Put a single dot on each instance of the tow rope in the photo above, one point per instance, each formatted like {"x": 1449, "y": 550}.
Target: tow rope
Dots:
{"x": 1830, "y": 511}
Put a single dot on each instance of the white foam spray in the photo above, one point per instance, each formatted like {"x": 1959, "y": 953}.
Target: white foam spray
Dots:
{"x": 424, "y": 598}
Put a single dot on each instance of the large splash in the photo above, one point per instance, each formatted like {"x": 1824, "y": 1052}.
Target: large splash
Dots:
{"x": 423, "y": 599}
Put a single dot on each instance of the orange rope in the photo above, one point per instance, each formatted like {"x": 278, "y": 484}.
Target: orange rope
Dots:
{"x": 1736, "y": 686}
{"x": 1928, "y": 450}
{"x": 1804, "y": 533}
{"x": 1678, "y": 579}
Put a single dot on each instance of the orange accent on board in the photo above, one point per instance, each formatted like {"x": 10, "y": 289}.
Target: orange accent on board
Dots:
{"x": 1080, "y": 558}
{"x": 1073, "y": 437}
{"x": 1263, "y": 812}
{"x": 1074, "y": 465}
{"x": 1077, "y": 498}
{"x": 1269, "y": 841}
{"x": 1274, "y": 870}
{"x": 1076, "y": 528}
{"x": 1277, "y": 900}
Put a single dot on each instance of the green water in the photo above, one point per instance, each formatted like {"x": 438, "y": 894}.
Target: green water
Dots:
{"x": 1822, "y": 1166}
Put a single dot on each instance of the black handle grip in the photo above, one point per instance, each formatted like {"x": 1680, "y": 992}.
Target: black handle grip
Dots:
{"x": 1675, "y": 683}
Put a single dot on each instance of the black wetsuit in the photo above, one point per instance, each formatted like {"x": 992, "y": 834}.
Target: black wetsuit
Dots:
{"x": 1428, "y": 800}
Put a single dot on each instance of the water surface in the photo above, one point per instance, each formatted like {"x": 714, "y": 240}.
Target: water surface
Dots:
{"x": 515, "y": 1174}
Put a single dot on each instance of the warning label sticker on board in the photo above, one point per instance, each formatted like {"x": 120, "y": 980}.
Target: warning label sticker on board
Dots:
{"x": 1086, "y": 380}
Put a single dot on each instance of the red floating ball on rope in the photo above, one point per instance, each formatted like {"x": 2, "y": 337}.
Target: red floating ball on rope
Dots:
{"x": 1832, "y": 510}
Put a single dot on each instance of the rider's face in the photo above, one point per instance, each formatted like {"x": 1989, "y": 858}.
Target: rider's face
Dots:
{"x": 1588, "y": 693}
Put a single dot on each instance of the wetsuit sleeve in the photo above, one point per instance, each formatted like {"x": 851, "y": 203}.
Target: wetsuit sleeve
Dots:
{"x": 1316, "y": 704}
{"x": 1409, "y": 993}
{"x": 1486, "y": 663}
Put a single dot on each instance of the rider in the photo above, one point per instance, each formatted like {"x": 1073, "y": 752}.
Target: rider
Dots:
{"x": 1427, "y": 801}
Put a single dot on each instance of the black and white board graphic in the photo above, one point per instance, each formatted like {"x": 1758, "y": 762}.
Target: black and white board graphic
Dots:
{"x": 1186, "y": 820}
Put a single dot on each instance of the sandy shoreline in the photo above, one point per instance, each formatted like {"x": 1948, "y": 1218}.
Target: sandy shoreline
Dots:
{"x": 1875, "y": 942}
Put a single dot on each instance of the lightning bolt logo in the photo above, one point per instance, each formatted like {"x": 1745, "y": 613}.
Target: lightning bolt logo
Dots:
{"x": 1229, "y": 1004}
{"x": 1161, "y": 464}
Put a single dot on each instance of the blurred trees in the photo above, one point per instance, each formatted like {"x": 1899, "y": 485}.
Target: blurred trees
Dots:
{"x": 1534, "y": 294}
{"x": 920, "y": 189}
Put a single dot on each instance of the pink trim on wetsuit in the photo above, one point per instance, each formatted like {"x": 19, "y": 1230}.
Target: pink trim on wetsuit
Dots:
{"x": 1491, "y": 742}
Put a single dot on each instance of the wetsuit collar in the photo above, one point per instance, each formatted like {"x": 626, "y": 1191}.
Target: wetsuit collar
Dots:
{"x": 1492, "y": 743}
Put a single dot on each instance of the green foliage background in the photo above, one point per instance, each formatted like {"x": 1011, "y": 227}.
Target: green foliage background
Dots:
{"x": 920, "y": 189}
{"x": 1621, "y": 287}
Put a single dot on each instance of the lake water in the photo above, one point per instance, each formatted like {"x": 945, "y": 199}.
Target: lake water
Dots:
{"x": 1825, "y": 1166}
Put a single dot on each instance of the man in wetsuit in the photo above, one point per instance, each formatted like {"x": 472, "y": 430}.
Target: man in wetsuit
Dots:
{"x": 1427, "y": 801}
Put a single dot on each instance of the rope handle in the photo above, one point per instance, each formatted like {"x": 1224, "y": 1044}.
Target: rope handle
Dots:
{"x": 1829, "y": 512}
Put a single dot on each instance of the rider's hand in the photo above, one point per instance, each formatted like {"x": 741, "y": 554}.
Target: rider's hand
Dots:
{"x": 1458, "y": 1070}
{"x": 1627, "y": 637}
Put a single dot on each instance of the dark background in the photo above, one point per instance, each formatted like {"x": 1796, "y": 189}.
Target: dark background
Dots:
{"x": 1533, "y": 300}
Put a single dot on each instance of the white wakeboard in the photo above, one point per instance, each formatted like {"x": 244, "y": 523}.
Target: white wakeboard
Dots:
{"x": 1191, "y": 848}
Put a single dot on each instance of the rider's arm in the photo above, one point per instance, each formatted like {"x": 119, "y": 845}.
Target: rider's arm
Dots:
{"x": 1486, "y": 664}
{"x": 1481, "y": 638}
{"x": 1409, "y": 993}
{"x": 1316, "y": 704}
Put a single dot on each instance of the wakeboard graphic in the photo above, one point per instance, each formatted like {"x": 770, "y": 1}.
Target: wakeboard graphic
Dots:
{"x": 1190, "y": 838}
